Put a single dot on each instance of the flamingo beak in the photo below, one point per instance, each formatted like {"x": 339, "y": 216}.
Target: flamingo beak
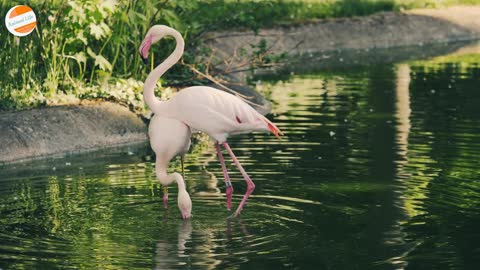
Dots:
{"x": 144, "y": 48}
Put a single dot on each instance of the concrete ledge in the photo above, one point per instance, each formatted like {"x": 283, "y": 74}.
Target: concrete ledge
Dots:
{"x": 64, "y": 129}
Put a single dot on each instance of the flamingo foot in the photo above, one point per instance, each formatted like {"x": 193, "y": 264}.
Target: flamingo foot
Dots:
{"x": 165, "y": 197}
{"x": 229, "y": 192}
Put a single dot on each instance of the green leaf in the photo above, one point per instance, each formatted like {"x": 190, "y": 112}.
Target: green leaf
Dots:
{"x": 103, "y": 63}
{"x": 96, "y": 31}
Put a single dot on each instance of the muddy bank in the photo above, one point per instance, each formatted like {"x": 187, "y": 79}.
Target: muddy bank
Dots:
{"x": 62, "y": 129}
{"x": 378, "y": 31}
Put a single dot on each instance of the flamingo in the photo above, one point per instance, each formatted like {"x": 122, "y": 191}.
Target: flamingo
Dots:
{"x": 169, "y": 138}
{"x": 215, "y": 112}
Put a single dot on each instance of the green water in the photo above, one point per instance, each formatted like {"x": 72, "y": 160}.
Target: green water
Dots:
{"x": 378, "y": 170}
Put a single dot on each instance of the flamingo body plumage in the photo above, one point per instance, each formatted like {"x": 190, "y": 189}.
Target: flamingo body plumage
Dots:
{"x": 170, "y": 138}
{"x": 217, "y": 113}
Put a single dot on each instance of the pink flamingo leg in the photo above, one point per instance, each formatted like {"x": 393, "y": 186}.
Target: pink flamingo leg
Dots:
{"x": 183, "y": 166}
{"x": 165, "y": 197}
{"x": 228, "y": 184}
{"x": 250, "y": 184}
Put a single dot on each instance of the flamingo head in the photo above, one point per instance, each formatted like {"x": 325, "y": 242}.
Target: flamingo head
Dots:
{"x": 184, "y": 204}
{"x": 153, "y": 35}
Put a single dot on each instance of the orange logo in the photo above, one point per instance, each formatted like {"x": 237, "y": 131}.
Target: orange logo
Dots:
{"x": 20, "y": 20}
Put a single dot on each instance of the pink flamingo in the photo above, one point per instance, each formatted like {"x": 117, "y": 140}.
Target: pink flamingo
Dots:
{"x": 215, "y": 112}
{"x": 169, "y": 138}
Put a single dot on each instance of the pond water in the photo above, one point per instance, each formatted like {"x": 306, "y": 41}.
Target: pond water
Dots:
{"x": 378, "y": 170}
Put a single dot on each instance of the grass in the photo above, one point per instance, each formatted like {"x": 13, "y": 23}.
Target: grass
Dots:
{"x": 87, "y": 49}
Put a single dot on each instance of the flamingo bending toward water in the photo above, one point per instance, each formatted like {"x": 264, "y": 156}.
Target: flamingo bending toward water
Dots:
{"x": 215, "y": 112}
{"x": 169, "y": 138}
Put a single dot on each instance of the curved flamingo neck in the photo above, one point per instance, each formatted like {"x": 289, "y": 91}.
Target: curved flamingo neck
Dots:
{"x": 148, "y": 89}
{"x": 161, "y": 172}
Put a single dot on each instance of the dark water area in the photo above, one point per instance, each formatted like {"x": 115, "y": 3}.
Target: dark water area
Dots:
{"x": 378, "y": 170}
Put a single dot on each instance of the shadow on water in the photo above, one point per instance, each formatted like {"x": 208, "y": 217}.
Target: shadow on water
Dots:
{"x": 378, "y": 170}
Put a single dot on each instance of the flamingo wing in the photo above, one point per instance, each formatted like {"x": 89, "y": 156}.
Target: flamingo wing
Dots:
{"x": 218, "y": 113}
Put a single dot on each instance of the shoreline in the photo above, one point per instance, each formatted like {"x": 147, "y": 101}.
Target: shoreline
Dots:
{"x": 58, "y": 130}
